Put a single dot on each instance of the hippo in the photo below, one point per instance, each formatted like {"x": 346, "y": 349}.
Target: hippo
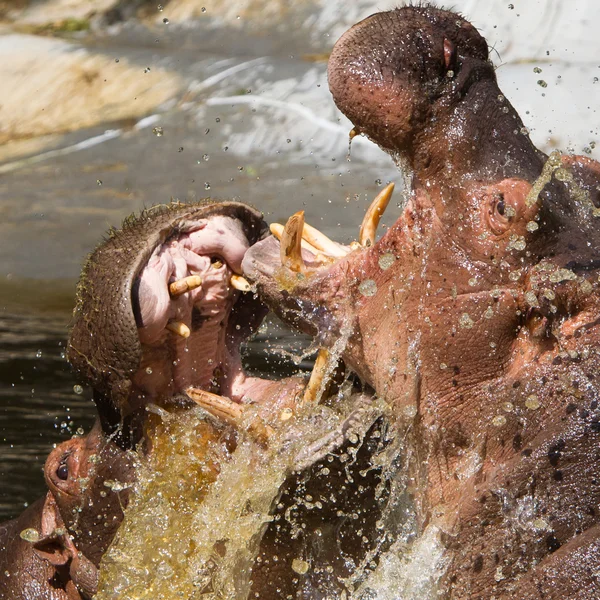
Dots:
{"x": 52, "y": 550}
{"x": 475, "y": 317}
{"x": 161, "y": 311}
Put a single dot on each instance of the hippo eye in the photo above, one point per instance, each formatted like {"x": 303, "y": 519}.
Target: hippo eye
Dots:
{"x": 63, "y": 471}
{"x": 501, "y": 206}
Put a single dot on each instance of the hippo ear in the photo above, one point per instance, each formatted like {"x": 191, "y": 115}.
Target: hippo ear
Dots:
{"x": 55, "y": 545}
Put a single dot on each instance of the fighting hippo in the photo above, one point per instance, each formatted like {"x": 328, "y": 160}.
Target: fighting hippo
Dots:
{"x": 161, "y": 312}
{"x": 53, "y": 550}
{"x": 476, "y": 316}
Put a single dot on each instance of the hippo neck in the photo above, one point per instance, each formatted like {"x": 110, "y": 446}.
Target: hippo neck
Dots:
{"x": 480, "y": 136}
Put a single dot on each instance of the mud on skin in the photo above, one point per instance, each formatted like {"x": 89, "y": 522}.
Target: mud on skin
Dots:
{"x": 475, "y": 316}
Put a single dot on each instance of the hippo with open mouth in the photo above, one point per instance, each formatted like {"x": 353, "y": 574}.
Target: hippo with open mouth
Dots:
{"x": 161, "y": 312}
{"x": 476, "y": 316}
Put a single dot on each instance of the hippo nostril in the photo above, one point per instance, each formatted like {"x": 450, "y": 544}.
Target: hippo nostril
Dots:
{"x": 62, "y": 472}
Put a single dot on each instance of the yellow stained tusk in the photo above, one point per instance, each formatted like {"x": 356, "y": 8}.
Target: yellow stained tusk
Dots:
{"x": 291, "y": 243}
{"x": 181, "y": 286}
{"x": 315, "y": 383}
{"x": 321, "y": 242}
{"x": 179, "y": 328}
{"x": 230, "y": 412}
{"x": 368, "y": 228}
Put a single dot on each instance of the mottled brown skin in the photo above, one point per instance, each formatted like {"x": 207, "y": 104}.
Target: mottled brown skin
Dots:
{"x": 484, "y": 347}
{"x": 76, "y": 522}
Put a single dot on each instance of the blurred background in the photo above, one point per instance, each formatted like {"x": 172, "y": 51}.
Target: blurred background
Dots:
{"x": 113, "y": 105}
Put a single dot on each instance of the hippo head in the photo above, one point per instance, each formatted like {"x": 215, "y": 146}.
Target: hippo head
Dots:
{"x": 161, "y": 307}
{"x": 488, "y": 279}
{"x": 89, "y": 478}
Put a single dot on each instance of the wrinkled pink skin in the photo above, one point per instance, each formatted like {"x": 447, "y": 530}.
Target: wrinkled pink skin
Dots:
{"x": 76, "y": 522}
{"x": 490, "y": 364}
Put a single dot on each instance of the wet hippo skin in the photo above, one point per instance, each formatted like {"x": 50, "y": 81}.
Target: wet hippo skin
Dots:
{"x": 476, "y": 316}
{"x": 71, "y": 528}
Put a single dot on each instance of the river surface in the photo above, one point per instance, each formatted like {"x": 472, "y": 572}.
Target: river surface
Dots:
{"x": 253, "y": 121}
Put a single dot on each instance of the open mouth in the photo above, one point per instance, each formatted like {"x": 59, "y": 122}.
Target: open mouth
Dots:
{"x": 297, "y": 251}
{"x": 193, "y": 309}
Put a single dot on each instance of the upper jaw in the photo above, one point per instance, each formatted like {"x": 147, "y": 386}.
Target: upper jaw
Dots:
{"x": 301, "y": 273}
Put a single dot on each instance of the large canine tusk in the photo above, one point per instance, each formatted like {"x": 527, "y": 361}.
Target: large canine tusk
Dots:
{"x": 315, "y": 383}
{"x": 368, "y": 228}
{"x": 321, "y": 242}
{"x": 291, "y": 243}
{"x": 184, "y": 285}
{"x": 228, "y": 411}
{"x": 179, "y": 328}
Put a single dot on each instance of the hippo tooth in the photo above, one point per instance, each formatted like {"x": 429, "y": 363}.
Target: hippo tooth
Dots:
{"x": 319, "y": 372}
{"x": 277, "y": 231}
{"x": 240, "y": 283}
{"x": 181, "y": 286}
{"x": 368, "y": 228}
{"x": 219, "y": 406}
{"x": 321, "y": 242}
{"x": 228, "y": 411}
{"x": 291, "y": 243}
{"x": 179, "y": 328}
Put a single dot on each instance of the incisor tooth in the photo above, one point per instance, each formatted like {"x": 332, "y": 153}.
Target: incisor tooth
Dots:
{"x": 315, "y": 382}
{"x": 291, "y": 243}
{"x": 228, "y": 411}
{"x": 184, "y": 285}
{"x": 321, "y": 242}
{"x": 179, "y": 328}
{"x": 368, "y": 228}
{"x": 240, "y": 283}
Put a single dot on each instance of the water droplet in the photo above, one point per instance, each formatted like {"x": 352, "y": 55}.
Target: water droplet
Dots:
{"x": 206, "y": 185}
{"x": 542, "y": 83}
{"x": 524, "y": 131}
{"x": 203, "y": 9}
{"x": 206, "y": 157}
{"x": 78, "y": 389}
{"x": 537, "y": 70}
{"x": 499, "y": 420}
{"x": 532, "y": 226}
{"x": 158, "y": 131}
{"x": 473, "y": 281}
{"x": 147, "y": 70}
{"x": 595, "y": 80}
{"x": 160, "y": 8}
{"x": 149, "y": 370}
{"x": 180, "y": 149}
{"x": 98, "y": 181}
{"x": 300, "y": 566}
{"x": 368, "y": 288}
{"x": 501, "y": 98}
{"x": 378, "y": 182}
{"x": 30, "y": 535}
{"x": 38, "y": 354}
{"x": 511, "y": 6}
{"x": 532, "y": 402}
{"x": 80, "y": 431}
{"x": 386, "y": 261}
{"x": 508, "y": 406}
{"x": 166, "y": 21}
{"x": 116, "y": 60}
{"x": 465, "y": 321}
{"x": 286, "y": 414}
